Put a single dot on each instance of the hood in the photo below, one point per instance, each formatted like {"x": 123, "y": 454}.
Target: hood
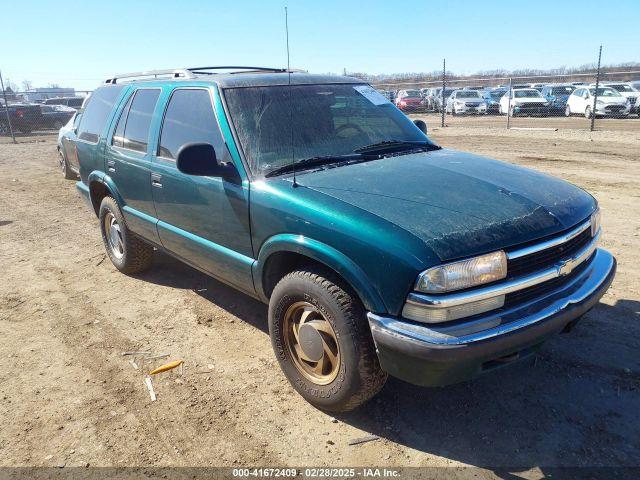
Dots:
{"x": 411, "y": 99}
{"x": 613, "y": 100}
{"x": 459, "y": 204}
{"x": 529, "y": 100}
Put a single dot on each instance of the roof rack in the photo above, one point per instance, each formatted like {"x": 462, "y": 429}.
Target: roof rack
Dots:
{"x": 192, "y": 72}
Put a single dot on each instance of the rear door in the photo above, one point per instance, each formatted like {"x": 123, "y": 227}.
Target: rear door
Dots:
{"x": 128, "y": 161}
{"x": 203, "y": 220}
{"x": 92, "y": 128}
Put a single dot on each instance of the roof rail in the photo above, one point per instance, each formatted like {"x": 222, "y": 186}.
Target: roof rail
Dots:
{"x": 174, "y": 72}
{"x": 192, "y": 72}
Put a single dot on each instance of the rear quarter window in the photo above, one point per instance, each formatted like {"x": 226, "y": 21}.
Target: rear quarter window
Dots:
{"x": 97, "y": 112}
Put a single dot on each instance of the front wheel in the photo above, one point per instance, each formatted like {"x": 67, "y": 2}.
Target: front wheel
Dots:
{"x": 322, "y": 340}
{"x": 128, "y": 253}
{"x": 567, "y": 111}
{"x": 587, "y": 112}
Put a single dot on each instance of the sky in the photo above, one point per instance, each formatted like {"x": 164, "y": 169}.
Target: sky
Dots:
{"x": 79, "y": 44}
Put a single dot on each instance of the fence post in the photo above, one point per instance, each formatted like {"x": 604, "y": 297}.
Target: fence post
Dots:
{"x": 444, "y": 73}
{"x": 509, "y": 104}
{"x": 595, "y": 96}
{"x": 6, "y": 109}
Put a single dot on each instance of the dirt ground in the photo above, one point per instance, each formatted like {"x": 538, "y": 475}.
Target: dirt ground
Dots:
{"x": 68, "y": 397}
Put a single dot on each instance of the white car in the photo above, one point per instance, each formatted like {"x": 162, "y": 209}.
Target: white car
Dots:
{"x": 524, "y": 101}
{"x": 466, "y": 101}
{"x": 626, "y": 90}
{"x": 609, "y": 102}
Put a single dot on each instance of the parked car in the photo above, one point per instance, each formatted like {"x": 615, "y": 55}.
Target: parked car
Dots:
{"x": 608, "y": 103}
{"x": 492, "y": 98}
{"x": 377, "y": 251}
{"x": 67, "y": 154}
{"x": 24, "y": 118}
{"x": 524, "y": 101}
{"x": 537, "y": 86}
{"x": 627, "y": 91}
{"x": 466, "y": 101}
{"x": 557, "y": 95}
{"x": 73, "y": 102}
{"x": 389, "y": 95}
{"x": 55, "y": 116}
{"x": 410, "y": 101}
{"x": 435, "y": 100}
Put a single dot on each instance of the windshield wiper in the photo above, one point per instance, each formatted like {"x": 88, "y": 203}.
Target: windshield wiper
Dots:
{"x": 390, "y": 144}
{"x": 313, "y": 162}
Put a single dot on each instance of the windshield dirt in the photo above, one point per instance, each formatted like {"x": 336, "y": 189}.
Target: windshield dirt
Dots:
{"x": 320, "y": 120}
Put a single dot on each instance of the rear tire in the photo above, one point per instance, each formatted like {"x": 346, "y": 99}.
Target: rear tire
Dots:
{"x": 338, "y": 370}
{"x": 64, "y": 166}
{"x": 127, "y": 252}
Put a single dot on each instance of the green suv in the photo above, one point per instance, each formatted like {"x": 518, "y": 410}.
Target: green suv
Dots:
{"x": 377, "y": 251}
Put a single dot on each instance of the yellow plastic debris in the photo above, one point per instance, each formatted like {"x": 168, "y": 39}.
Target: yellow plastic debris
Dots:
{"x": 166, "y": 366}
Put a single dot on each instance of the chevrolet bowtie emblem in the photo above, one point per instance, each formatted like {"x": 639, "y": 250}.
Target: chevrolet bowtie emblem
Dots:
{"x": 565, "y": 268}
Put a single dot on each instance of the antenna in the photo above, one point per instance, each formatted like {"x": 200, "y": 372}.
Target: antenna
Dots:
{"x": 293, "y": 157}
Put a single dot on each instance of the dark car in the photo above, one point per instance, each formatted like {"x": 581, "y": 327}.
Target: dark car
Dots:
{"x": 73, "y": 102}
{"x": 377, "y": 251}
{"x": 492, "y": 96}
{"x": 55, "y": 116}
{"x": 24, "y": 118}
{"x": 557, "y": 95}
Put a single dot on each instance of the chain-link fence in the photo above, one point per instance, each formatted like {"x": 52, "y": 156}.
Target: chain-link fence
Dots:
{"x": 560, "y": 101}
{"x": 26, "y": 115}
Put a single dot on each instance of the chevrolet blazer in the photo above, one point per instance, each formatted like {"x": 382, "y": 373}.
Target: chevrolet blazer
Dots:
{"x": 377, "y": 251}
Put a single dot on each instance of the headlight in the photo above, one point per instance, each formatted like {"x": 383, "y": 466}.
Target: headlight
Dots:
{"x": 459, "y": 104}
{"x": 595, "y": 222}
{"x": 599, "y": 102}
{"x": 464, "y": 274}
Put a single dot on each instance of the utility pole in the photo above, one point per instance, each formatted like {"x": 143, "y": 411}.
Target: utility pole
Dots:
{"x": 6, "y": 109}
{"x": 595, "y": 95}
{"x": 444, "y": 73}
{"x": 509, "y": 103}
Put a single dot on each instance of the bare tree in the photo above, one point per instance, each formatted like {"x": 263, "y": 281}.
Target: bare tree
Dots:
{"x": 27, "y": 85}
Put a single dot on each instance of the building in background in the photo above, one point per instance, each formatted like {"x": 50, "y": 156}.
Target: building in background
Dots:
{"x": 43, "y": 93}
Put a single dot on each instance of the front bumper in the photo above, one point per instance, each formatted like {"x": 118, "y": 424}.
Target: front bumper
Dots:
{"x": 462, "y": 109}
{"x": 612, "y": 110}
{"x": 439, "y": 355}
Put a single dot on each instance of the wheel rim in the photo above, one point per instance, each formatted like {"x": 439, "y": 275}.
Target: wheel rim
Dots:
{"x": 312, "y": 343}
{"x": 114, "y": 235}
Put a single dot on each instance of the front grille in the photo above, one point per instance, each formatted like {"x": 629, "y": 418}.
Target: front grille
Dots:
{"x": 614, "y": 108}
{"x": 537, "y": 291}
{"x": 543, "y": 259}
{"x": 471, "y": 104}
{"x": 532, "y": 105}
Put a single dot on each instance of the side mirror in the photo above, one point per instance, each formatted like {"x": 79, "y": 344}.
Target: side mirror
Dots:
{"x": 200, "y": 159}
{"x": 421, "y": 125}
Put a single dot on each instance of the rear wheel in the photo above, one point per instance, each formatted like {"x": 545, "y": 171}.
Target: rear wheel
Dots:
{"x": 127, "y": 252}
{"x": 322, "y": 340}
{"x": 64, "y": 166}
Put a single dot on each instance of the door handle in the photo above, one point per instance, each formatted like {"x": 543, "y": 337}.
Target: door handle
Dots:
{"x": 111, "y": 165}
{"x": 155, "y": 180}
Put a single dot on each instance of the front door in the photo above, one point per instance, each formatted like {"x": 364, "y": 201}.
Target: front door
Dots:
{"x": 203, "y": 220}
{"x": 128, "y": 162}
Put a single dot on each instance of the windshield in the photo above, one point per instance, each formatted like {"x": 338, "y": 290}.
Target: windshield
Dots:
{"x": 326, "y": 120}
{"x": 467, "y": 94}
{"x": 562, "y": 90}
{"x": 605, "y": 92}
{"x": 622, "y": 88}
{"x": 497, "y": 94}
{"x": 530, "y": 93}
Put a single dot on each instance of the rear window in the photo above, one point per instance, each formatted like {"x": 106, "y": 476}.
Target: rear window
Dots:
{"x": 97, "y": 112}
{"x": 75, "y": 102}
{"x": 138, "y": 120}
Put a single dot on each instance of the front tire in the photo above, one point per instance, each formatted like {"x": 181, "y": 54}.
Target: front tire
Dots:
{"x": 567, "y": 111}
{"x": 128, "y": 253}
{"x": 587, "y": 112}
{"x": 322, "y": 340}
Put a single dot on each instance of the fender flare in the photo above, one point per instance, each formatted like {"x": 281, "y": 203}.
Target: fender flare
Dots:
{"x": 107, "y": 181}
{"x": 322, "y": 253}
